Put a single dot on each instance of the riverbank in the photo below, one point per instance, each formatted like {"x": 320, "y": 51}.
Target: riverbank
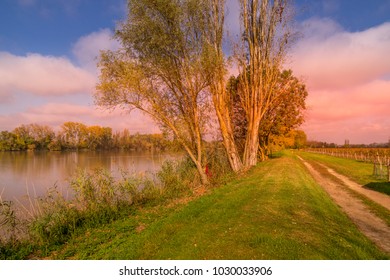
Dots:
{"x": 276, "y": 211}
{"x": 23, "y": 173}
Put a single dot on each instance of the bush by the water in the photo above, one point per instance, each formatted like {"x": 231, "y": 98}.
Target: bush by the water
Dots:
{"x": 97, "y": 198}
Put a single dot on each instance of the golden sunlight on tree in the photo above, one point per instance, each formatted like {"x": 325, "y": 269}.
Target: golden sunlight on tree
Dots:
{"x": 172, "y": 67}
{"x": 159, "y": 70}
{"x": 266, "y": 37}
{"x": 285, "y": 115}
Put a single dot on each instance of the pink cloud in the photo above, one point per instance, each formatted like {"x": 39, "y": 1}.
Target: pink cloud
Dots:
{"x": 360, "y": 114}
{"x": 348, "y": 80}
{"x": 55, "y": 114}
{"x": 359, "y": 131}
{"x": 372, "y": 99}
{"x": 55, "y": 79}
{"x": 332, "y": 58}
{"x": 5, "y": 97}
{"x": 42, "y": 75}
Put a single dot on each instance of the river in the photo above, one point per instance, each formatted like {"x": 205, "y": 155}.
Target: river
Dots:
{"x": 33, "y": 173}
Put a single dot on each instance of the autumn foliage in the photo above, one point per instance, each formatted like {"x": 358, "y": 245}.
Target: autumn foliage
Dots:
{"x": 75, "y": 136}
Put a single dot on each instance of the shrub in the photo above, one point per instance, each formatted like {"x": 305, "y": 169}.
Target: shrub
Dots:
{"x": 218, "y": 163}
{"x": 8, "y": 222}
{"x": 171, "y": 178}
{"x": 97, "y": 198}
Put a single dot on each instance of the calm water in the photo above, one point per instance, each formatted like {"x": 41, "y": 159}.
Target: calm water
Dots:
{"x": 33, "y": 173}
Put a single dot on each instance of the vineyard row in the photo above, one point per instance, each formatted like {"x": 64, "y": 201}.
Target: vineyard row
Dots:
{"x": 380, "y": 158}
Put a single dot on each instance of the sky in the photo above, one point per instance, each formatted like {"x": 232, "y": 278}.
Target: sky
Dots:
{"x": 48, "y": 51}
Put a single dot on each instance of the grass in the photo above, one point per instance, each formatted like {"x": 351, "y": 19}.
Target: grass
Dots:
{"x": 97, "y": 199}
{"x": 277, "y": 211}
{"x": 360, "y": 172}
{"x": 350, "y": 168}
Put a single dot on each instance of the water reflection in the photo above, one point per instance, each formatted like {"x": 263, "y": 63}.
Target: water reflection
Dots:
{"x": 35, "y": 172}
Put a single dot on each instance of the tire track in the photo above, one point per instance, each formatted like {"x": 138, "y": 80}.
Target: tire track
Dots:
{"x": 368, "y": 223}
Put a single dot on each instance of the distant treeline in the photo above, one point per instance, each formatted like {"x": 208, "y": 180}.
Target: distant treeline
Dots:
{"x": 74, "y": 135}
{"x": 319, "y": 144}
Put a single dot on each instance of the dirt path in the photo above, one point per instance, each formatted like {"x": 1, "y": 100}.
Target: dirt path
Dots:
{"x": 371, "y": 225}
{"x": 378, "y": 197}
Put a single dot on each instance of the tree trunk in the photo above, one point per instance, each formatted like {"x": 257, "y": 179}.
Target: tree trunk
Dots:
{"x": 227, "y": 135}
{"x": 251, "y": 145}
{"x": 387, "y": 164}
{"x": 233, "y": 156}
{"x": 388, "y": 170}
{"x": 221, "y": 98}
{"x": 196, "y": 159}
{"x": 202, "y": 172}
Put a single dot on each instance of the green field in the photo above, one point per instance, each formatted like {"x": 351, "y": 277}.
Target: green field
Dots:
{"x": 360, "y": 172}
{"x": 277, "y": 211}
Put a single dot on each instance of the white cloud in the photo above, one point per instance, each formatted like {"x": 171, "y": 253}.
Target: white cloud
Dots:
{"x": 54, "y": 79}
{"x": 50, "y": 76}
{"x": 87, "y": 48}
{"x": 318, "y": 29}
{"x": 42, "y": 75}
{"x": 334, "y": 58}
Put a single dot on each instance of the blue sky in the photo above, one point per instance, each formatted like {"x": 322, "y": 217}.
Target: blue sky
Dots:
{"x": 353, "y": 15}
{"x": 51, "y": 26}
{"x": 48, "y": 50}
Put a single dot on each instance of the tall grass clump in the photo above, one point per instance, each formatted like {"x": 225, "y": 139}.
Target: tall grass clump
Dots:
{"x": 53, "y": 219}
{"x": 178, "y": 178}
{"x": 96, "y": 198}
{"x": 8, "y": 222}
{"x": 218, "y": 163}
{"x": 12, "y": 229}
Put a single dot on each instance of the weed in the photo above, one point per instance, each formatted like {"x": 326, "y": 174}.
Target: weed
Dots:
{"x": 97, "y": 199}
{"x": 175, "y": 178}
{"x": 8, "y": 221}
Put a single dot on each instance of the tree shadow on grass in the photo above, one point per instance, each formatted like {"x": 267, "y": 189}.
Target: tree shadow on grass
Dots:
{"x": 383, "y": 187}
{"x": 273, "y": 156}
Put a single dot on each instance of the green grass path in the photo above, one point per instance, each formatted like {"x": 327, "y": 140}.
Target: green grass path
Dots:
{"x": 277, "y": 211}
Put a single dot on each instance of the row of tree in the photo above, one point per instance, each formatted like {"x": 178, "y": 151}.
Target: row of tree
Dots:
{"x": 172, "y": 66}
{"x": 74, "y": 135}
{"x": 378, "y": 156}
{"x": 319, "y": 144}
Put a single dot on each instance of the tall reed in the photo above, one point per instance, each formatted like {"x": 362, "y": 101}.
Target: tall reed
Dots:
{"x": 97, "y": 198}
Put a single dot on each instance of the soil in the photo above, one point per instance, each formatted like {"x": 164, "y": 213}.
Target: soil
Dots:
{"x": 369, "y": 224}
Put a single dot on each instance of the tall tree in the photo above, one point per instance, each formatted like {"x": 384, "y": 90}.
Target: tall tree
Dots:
{"x": 24, "y": 136}
{"x": 34, "y": 135}
{"x": 215, "y": 69}
{"x": 42, "y": 135}
{"x": 9, "y": 142}
{"x": 286, "y": 113}
{"x": 266, "y": 36}
{"x": 159, "y": 70}
{"x": 74, "y": 134}
{"x": 98, "y": 137}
